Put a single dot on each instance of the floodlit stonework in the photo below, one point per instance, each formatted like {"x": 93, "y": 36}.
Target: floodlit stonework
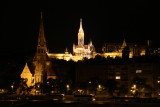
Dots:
{"x": 80, "y": 51}
{"x": 27, "y": 75}
{"x": 43, "y": 66}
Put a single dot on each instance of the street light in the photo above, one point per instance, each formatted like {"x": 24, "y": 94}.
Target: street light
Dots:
{"x": 134, "y": 86}
{"x": 12, "y": 87}
{"x": 68, "y": 87}
{"x": 99, "y": 86}
{"x": 133, "y": 89}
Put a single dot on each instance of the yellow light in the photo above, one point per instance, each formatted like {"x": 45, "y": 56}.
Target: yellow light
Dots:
{"x": 118, "y": 77}
{"x": 12, "y": 86}
{"x": 99, "y": 86}
{"x": 80, "y": 90}
{"x": 67, "y": 86}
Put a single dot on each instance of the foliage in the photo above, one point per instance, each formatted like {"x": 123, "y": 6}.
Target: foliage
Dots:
{"x": 111, "y": 86}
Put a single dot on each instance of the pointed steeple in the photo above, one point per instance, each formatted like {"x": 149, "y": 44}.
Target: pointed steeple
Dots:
{"x": 26, "y": 74}
{"x": 66, "y": 50}
{"x": 124, "y": 44}
{"x": 81, "y": 35}
{"x": 26, "y": 70}
{"x": 80, "y": 28}
{"x": 41, "y": 38}
{"x": 90, "y": 42}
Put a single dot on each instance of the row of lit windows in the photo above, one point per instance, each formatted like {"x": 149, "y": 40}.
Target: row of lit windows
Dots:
{"x": 119, "y": 77}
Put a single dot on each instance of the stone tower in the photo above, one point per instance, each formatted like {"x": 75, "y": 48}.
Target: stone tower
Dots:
{"x": 40, "y": 59}
{"x": 124, "y": 44}
{"x": 81, "y": 35}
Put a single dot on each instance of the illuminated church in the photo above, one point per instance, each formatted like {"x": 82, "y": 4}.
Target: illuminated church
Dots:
{"x": 43, "y": 67}
{"x": 113, "y": 50}
{"x": 80, "y": 50}
{"x": 42, "y": 64}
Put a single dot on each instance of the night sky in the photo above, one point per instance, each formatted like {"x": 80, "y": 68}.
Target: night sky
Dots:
{"x": 103, "y": 21}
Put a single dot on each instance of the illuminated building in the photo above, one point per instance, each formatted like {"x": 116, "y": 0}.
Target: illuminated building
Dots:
{"x": 115, "y": 49}
{"x": 42, "y": 64}
{"x": 123, "y": 73}
{"x": 27, "y": 75}
{"x": 41, "y": 60}
{"x": 80, "y": 51}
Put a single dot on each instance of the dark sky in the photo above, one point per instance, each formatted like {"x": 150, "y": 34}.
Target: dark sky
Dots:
{"x": 103, "y": 21}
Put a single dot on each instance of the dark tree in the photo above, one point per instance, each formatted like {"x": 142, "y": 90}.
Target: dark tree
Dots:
{"x": 111, "y": 86}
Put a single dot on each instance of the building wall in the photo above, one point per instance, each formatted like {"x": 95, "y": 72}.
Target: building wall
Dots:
{"x": 122, "y": 73}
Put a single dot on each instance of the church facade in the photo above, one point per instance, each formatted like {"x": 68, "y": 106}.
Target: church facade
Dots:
{"x": 80, "y": 51}
{"x": 42, "y": 64}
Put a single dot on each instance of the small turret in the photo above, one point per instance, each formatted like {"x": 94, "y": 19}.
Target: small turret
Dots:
{"x": 90, "y": 43}
{"x": 81, "y": 35}
{"x": 42, "y": 47}
{"x": 66, "y": 51}
{"x": 124, "y": 44}
{"x": 80, "y": 28}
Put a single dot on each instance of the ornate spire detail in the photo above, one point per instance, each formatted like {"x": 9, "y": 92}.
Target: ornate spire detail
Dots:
{"x": 41, "y": 39}
{"x": 90, "y": 42}
{"x": 124, "y": 44}
{"x": 66, "y": 50}
{"x": 80, "y": 28}
{"x": 81, "y": 35}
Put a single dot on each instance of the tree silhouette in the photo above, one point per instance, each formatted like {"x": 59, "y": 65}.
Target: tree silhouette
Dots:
{"x": 111, "y": 86}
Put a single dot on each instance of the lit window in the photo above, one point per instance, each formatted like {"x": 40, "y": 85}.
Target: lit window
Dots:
{"x": 118, "y": 77}
{"x": 138, "y": 71}
{"x": 47, "y": 63}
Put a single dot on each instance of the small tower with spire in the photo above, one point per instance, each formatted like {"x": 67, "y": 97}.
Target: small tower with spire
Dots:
{"x": 41, "y": 57}
{"x": 81, "y": 50}
{"x": 41, "y": 47}
{"x": 124, "y": 44}
{"x": 81, "y": 34}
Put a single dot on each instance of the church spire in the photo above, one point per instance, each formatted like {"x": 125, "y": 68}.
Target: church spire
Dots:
{"x": 41, "y": 39}
{"x": 81, "y": 34}
{"x": 80, "y": 28}
{"x": 90, "y": 42}
{"x": 124, "y": 43}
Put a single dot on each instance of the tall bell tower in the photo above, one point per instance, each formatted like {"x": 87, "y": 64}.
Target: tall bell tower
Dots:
{"x": 41, "y": 58}
{"x": 81, "y": 35}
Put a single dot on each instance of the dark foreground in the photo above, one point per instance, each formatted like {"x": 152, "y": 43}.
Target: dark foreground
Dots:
{"x": 41, "y": 103}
